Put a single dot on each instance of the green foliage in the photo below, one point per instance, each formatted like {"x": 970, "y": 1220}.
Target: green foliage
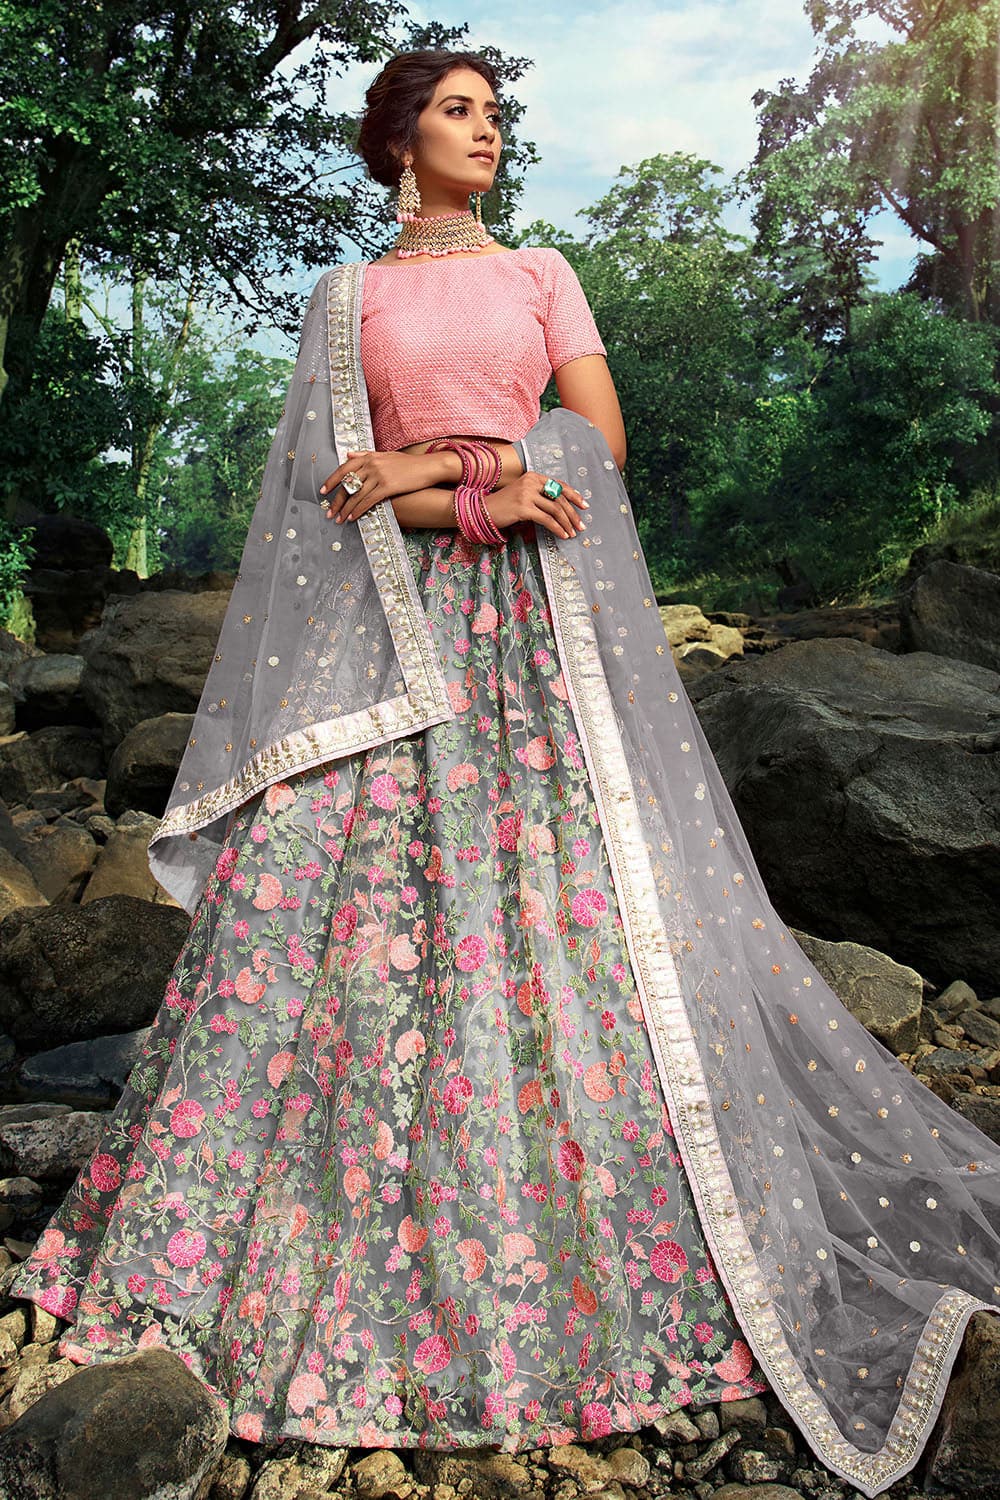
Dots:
{"x": 911, "y": 125}
{"x": 16, "y": 552}
{"x": 211, "y": 469}
{"x": 55, "y": 439}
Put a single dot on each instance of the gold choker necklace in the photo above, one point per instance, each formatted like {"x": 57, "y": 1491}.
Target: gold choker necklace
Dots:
{"x": 442, "y": 234}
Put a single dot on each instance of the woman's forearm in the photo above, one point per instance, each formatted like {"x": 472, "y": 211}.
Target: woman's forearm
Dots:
{"x": 432, "y": 507}
{"x": 449, "y": 464}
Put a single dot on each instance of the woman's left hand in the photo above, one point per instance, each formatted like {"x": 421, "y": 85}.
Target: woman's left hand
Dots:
{"x": 382, "y": 476}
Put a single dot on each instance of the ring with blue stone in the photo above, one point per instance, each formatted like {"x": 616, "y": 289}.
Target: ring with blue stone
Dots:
{"x": 552, "y": 489}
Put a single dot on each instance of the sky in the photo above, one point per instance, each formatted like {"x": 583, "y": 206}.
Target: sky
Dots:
{"x": 615, "y": 81}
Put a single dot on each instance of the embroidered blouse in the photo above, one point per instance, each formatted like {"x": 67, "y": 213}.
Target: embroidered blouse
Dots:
{"x": 468, "y": 345}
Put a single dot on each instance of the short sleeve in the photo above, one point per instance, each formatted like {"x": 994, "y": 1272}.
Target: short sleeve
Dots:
{"x": 570, "y": 330}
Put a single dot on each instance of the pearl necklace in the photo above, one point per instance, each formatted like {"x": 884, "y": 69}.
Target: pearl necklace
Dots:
{"x": 442, "y": 234}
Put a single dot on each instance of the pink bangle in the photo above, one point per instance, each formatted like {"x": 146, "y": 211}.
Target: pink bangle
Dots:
{"x": 481, "y": 468}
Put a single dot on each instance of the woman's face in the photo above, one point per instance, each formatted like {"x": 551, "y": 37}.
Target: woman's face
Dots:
{"x": 458, "y": 142}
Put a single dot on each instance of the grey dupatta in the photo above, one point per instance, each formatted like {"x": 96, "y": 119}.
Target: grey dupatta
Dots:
{"x": 853, "y": 1217}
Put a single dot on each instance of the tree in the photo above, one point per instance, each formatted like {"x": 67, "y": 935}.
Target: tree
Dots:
{"x": 184, "y": 138}
{"x": 912, "y": 125}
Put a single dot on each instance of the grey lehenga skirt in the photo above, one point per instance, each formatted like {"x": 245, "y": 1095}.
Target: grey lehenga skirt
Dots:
{"x": 395, "y": 1167}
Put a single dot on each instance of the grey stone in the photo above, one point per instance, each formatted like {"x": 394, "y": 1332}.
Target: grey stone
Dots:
{"x": 139, "y": 1428}
{"x": 488, "y": 1476}
{"x": 748, "y": 1414}
{"x": 707, "y": 1422}
{"x": 884, "y": 996}
{"x": 47, "y": 690}
{"x": 59, "y": 856}
{"x": 958, "y": 996}
{"x": 586, "y": 1469}
{"x": 676, "y": 1427}
{"x": 756, "y": 1492}
{"x": 714, "y": 1453}
{"x": 984, "y": 1112}
{"x": 949, "y": 1060}
{"x": 72, "y": 972}
{"x": 962, "y": 1448}
{"x": 48, "y": 758}
{"x": 980, "y": 1027}
{"x": 953, "y": 610}
{"x": 149, "y": 656}
{"x": 232, "y": 1478}
{"x": 8, "y": 709}
{"x": 91, "y": 1072}
{"x": 48, "y": 1149}
{"x": 866, "y": 784}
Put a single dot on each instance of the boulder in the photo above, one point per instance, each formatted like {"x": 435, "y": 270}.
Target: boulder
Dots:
{"x": 59, "y": 856}
{"x": 8, "y": 709}
{"x": 47, "y": 1142}
{"x": 92, "y": 1072}
{"x": 884, "y": 996}
{"x": 122, "y": 867}
{"x": 139, "y": 1428}
{"x": 984, "y": 1112}
{"x": 17, "y": 886}
{"x": 48, "y": 758}
{"x": 150, "y": 656}
{"x": 961, "y": 1455}
{"x": 142, "y": 769}
{"x": 70, "y": 972}
{"x": 866, "y": 785}
{"x": 47, "y": 691}
{"x": 953, "y": 610}
{"x": 65, "y": 543}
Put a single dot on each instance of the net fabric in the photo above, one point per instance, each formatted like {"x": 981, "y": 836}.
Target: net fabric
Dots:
{"x": 854, "y": 1216}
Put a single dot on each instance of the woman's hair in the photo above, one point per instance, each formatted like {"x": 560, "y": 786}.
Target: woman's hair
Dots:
{"x": 396, "y": 98}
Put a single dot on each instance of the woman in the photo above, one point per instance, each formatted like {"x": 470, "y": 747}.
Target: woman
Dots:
{"x": 489, "y": 1100}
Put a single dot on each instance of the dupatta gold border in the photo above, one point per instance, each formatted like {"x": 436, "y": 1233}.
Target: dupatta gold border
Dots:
{"x": 426, "y": 700}
{"x": 686, "y": 1090}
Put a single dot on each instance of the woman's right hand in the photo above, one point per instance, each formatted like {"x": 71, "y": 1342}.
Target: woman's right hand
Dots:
{"x": 522, "y": 500}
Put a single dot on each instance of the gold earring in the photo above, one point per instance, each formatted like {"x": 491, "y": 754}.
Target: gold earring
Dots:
{"x": 408, "y": 205}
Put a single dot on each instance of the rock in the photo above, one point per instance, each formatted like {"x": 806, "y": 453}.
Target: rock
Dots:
{"x": 748, "y": 1414}
{"x": 752, "y": 1466}
{"x": 17, "y": 886}
{"x": 953, "y": 610}
{"x": 32, "y": 1382}
{"x": 707, "y": 1422}
{"x": 51, "y": 1148}
{"x": 65, "y": 543}
{"x": 586, "y": 1468}
{"x": 676, "y": 1427}
{"x": 232, "y": 1478}
{"x": 8, "y": 709}
{"x": 92, "y": 1072}
{"x": 142, "y": 769}
{"x": 149, "y": 656}
{"x": 380, "y": 1475}
{"x": 980, "y": 1027}
{"x": 47, "y": 691}
{"x": 59, "y": 856}
{"x": 629, "y": 1467}
{"x": 984, "y": 1112}
{"x": 19, "y": 1197}
{"x": 487, "y": 1476}
{"x": 122, "y": 866}
{"x": 757, "y": 1492}
{"x": 884, "y": 996}
{"x": 698, "y": 1467}
{"x": 139, "y": 1428}
{"x": 76, "y": 972}
{"x": 962, "y": 1448}
{"x": 309, "y": 1471}
{"x": 949, "y": 1060}
{"x": 48, "y": 758}
{"x": 958, "y": 997}
{"x": 866, "y": 785}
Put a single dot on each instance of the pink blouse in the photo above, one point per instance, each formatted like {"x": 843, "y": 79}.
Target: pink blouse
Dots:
{"x": 468, "y": 345}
